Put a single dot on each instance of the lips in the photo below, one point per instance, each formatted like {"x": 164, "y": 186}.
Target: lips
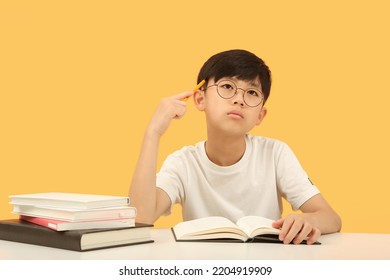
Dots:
{"x": 236, "y": 114}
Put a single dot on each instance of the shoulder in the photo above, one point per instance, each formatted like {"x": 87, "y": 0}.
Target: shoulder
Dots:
{"x": 262, "y": 142}
{"x": 268, "y": 148}
{"x": 187, "y": 152}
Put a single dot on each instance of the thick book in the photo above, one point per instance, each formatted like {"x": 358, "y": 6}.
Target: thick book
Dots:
{"x": 59, "y": 225}
{"x": 69, "y": 200}
{"x": 220, "y": 229}
{"x": 76, "y": 240}
{"x": 76, "y": 215}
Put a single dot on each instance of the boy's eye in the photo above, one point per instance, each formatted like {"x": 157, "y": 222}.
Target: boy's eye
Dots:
{"x": 253, "y": 92}
{"x": 227, "y": 86}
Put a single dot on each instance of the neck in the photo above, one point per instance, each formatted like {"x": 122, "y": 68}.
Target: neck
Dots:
{"x": 225, "y": 151}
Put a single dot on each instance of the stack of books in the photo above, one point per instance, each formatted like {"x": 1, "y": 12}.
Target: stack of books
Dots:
{"x": 72, "y": 221}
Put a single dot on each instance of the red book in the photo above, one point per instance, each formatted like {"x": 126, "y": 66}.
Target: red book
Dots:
{"x": 59, "y": 225}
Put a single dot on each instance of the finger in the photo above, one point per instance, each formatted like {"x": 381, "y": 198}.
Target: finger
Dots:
{"x": 294, "y": 228}
{"x": 277, "y": 223}
{"x": 179, "y": 115}
{"x": 180, "y": 111}
{"x": 183, "y": 95}
{"x": 303, "y": 233}
{"x": 313, "y": 236}
{"x": 284, "y": 227}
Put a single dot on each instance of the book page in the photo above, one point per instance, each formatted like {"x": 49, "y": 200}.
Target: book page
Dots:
{"x": 206, "y": 225}
{"x": 255, "y": 225}
{"x": 71, "y": 197}
{"x": 69, "y": 200}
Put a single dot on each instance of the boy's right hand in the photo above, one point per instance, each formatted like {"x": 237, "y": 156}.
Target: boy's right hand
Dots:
{"x": 169, "y": 108}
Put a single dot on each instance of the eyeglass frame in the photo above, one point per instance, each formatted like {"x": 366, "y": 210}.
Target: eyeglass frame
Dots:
{"x": 235, "y": 93}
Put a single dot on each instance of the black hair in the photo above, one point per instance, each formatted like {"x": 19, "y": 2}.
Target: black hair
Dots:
{"x": 240, "y": 64}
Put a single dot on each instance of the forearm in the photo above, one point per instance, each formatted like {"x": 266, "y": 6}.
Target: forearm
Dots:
{"x": 327, "y": 221}
{"x": 143, "y": 186}
{"x": 143, "y": 192}
{"x": 321, "y": 215}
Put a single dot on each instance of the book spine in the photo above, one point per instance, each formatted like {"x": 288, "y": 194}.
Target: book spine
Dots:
{"x": 40, "y": 221}
{"x": 38, "y": 235}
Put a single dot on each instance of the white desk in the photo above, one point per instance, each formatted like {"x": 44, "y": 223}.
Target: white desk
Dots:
{"x": 338, "y": 246}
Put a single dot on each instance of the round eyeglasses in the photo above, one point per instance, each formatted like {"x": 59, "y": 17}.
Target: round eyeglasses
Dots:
{"x": 226, "y": 89}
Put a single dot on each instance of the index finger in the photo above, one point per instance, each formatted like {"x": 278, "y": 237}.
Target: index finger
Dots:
{"x": 198, "y": 86}
{"x": 183, "y": 95}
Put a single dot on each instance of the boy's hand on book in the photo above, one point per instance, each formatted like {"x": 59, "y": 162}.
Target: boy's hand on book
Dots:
{"x": 173, "y": 107}
{"x": 295, "y": 229}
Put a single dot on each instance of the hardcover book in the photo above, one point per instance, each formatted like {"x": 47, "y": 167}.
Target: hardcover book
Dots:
{"x": 77, "y": 240}
{"x": 69, "y": 200}
{"x": 220, "y": 229}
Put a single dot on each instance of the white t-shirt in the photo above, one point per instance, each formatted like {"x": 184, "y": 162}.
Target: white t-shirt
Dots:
{"x": 254, "y": 185}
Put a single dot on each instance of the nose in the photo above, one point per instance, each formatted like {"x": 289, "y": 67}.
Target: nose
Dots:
{"x": 239, "y": 98}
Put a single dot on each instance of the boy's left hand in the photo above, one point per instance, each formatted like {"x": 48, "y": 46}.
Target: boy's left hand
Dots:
{"x": 295, "y": 228}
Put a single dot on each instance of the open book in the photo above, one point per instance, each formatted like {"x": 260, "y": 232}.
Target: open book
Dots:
{"x": 247, "y": 229}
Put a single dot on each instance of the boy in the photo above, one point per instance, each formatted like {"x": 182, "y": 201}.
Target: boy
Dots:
{"x": 231, "y": 174}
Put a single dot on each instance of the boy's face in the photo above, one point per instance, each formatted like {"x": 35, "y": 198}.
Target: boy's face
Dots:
{"x": 230, "y": 116}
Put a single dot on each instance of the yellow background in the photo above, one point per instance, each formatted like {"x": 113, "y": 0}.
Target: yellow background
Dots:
{"x": 79, "y": 81}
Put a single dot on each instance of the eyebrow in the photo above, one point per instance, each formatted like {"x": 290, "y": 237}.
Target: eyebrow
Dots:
{"x": 252, "y": 83}
{"x": 255, "y": 84}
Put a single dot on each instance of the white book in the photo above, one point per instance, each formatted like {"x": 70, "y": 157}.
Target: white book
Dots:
{"x": 214, "y": 228}
{"x": 69, "y": 200}
{"x": 74, "y": 215}
{"x": 246, "y": 229}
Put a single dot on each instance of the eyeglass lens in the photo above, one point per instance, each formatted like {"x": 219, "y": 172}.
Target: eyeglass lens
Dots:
{"x": 227, "y": 89}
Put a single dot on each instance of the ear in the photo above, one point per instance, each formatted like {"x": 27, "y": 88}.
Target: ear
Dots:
{"x": 199, "y": 99}
{"x": 262, "y": 115}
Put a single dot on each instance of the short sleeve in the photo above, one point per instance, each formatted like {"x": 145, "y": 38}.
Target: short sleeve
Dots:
{"x": 171, "y": 178}
{"x": 292, "y": 181}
